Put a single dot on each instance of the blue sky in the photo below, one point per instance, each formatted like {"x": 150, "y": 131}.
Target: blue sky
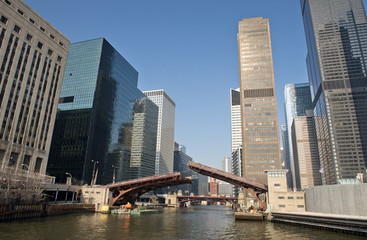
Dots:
{"x": 189, "y": 49}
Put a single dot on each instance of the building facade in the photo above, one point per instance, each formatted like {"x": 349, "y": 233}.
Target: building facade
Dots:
{"x": 32, "y": 62}
{"x": 105, "y": 126}
{"x": 285, "y": 154}
{"x": 165, "y": 130}
{"x": 236, "y": 130}
{"x": 306, "y": 156}
{"x": 297, "y": 101}
{"x": 336, "y": 62}
{"x": 260, "y": 135}
{"x": 227, "y": 164}
{"x": 181, "y": 159}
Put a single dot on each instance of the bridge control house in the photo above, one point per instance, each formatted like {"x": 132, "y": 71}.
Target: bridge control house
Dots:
{"x": 279, "y": 199}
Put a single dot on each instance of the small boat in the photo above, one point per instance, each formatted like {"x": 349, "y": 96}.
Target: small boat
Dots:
{"x": 248, "y": 216}
{"x": 145, "y": 211}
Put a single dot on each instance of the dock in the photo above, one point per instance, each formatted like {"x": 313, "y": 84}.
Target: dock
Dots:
{"x": 356, "y": 225}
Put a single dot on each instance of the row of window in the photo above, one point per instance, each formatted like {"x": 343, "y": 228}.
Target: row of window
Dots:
{"x": 33, "y": 22}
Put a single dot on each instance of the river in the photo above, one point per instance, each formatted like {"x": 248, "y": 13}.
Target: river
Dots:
{"x": 209, "y": 222}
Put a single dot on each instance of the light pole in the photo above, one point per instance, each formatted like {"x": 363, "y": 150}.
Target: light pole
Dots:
{"x": 94, "y": 169}
{"x": 71, "y": 177}
{"x": 27, "y": 170}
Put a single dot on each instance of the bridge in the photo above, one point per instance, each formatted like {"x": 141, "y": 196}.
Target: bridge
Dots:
{"x": 185, "y": 198}
{"x": 252, "y": 187}
{"x": 129, "y": 191}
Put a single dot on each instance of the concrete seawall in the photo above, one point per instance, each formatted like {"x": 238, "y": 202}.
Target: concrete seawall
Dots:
{"x": 346, "y": 199}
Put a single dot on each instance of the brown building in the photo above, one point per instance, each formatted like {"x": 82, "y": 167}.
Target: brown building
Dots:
{"x": 213, "y": 187}
{"x": 32, "y": 62}
{"x": 306, "y": 156}
{"x": 260, "y": 135}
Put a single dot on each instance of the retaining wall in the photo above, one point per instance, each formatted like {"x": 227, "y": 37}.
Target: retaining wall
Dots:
{"x": 346, "y": 199}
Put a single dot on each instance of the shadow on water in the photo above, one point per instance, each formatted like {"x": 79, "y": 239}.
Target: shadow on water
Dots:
{"x": 210, "y": 222}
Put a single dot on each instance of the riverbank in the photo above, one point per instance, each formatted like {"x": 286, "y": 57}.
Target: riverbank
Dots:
{"x": 18, "y": 212}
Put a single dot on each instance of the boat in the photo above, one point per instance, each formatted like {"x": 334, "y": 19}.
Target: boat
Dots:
{"x": 249, "y": 216}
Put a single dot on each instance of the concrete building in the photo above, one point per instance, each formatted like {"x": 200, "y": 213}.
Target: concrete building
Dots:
{"x": 236, "y": 130}
{"x": 32, "y": 63}
{"x": 336, "y": 35}
{"x": 165, "y": 130}
{"x": 105, "y": 127}
{"x": 260, "y": 135}
{"x": 279, "y": 198}
{"x": 306, "y": 156}
{"x": 297, "y": 102}
{"x": 225, "y": 189}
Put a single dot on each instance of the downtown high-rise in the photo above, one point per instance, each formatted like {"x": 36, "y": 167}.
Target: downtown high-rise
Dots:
{"x": 336, "y": 37}
{"x": 260, "y": 135}
{"x": 297, "y": 101}
{"x": 32, "y": 62}
{"x": 165, "y": 130}
{"x": 236, "y": 130}
{"x": 105, "y": 128}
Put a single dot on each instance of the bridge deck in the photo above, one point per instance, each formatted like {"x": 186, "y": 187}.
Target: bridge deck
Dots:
{"x": 227, "y": 177}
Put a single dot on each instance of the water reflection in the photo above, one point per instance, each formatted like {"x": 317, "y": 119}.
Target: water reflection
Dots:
{"x": 183, "y": 223}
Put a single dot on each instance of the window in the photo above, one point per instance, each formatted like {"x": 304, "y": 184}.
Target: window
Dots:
{"x": 282, "y": 206}
{"x": 86, "y": 192}
{"x": 300, "y": 206}
{"x": 28, "y": 37}
{"x": 40, "y": 45}
{"x": 8, "y": 2}
{"x": 3, "y": 19}
{"x": 20, "y": 12}
{"x": 16, "y": 28}
{"x": 50, "y": 52}
{"x": 52, "y": 36}
{"x": 59, "y": 58}
{"x": 42, "y": 29}
{"x": 31, "y": 20}
{"x": 61, "y": 44}
{"x": 299, "y": 197}
{"x": 281, "y": 197}
{"x": 290, "y": 198}
{"x": 276, "y": 185}
{"x": 98, "y": 192}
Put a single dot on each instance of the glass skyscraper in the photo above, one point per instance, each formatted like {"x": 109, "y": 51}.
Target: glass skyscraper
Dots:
{"x": 105, "y": 126}
{"x": 32, "y": 63}
{"x": 260, "y": 135}
{"x": 336, "y": 36}
{"x": 297, "y": 101}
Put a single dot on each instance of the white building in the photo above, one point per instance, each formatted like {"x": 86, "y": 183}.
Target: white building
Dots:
{"x": 236, "y": 132}
{"x": 165, "y": 130}
{"x": 32, "y": 60}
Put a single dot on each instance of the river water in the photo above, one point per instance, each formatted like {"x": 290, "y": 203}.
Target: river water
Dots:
{"x": 209, "y": 222}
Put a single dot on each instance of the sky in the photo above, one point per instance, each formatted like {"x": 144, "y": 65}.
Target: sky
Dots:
{"x": 189, "y": 49}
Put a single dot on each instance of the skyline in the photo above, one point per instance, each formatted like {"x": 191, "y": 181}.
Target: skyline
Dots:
{"x": 190, "y": 50}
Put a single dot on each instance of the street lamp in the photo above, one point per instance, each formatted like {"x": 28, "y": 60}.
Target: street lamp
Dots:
{"x": 71, "y": 177}
{"x": 94, "y": 169}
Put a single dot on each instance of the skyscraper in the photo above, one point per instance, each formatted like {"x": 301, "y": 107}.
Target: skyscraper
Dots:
{"x": 336, "y": 36}
{"x": 260, "y": 136}
{"x": 165, "y": 130}
{"x": 297, "y": 101}
{"x": 285, "y": 155}
{"x": 105, "y": 126}
{"x": 227, "y": 164}
{"x": 181, "y": 159}
{"x": 306, "y": 157}
{"x": 32, "y": 62}
{"x": 236, "y": 132}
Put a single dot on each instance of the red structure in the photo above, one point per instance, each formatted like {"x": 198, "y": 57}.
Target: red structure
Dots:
{"x": 129, "y": 191}
{"x": 252, "y": 187}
